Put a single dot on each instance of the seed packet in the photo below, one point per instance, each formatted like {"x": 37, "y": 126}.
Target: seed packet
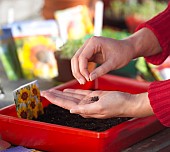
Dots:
{"x": 27, "y": 101}
{"x": 74, "y": 27}
{"x": 20, "y": 149}
{"x": 35, "y": 44}
{"x": 8, "y": 55}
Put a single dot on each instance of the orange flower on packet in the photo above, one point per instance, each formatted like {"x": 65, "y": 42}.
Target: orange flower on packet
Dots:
{"x": 27, "y": 101}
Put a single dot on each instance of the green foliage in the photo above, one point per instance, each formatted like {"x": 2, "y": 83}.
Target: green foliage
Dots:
{"x": 145, "y": 10}
{"x": 70, "y": 47}
{"x": 110, "y": 33}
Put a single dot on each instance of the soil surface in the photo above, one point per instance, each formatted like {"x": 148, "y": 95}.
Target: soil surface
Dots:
{"x": 57, "y": 115}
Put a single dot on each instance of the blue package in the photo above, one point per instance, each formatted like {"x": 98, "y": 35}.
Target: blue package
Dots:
{"x": 18, "y": 149}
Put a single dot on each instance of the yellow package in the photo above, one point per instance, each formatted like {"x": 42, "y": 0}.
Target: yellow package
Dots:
{"x": 27, "y": 101}
{"x": 74, "y": 23}
{"x": 36, "y": 55}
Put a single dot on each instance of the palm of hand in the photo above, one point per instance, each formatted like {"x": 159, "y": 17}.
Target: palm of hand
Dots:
{"x": 109, "y": 103}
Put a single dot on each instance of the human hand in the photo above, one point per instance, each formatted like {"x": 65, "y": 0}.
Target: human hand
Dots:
{"x": 109, "y": 103}
{"x": 110, "y": 53}
{"x": 66, "y": 99}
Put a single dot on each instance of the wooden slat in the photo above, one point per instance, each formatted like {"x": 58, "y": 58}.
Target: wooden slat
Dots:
{"x": 159, "y": 142}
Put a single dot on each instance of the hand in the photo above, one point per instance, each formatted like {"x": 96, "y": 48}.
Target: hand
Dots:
{"x": 66, "y": 99}
{"x": 110, "y": 103}
{"x": 112, "y": 54}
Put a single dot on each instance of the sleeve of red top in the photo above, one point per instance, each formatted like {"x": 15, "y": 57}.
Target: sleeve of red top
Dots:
{"x": 159, "y": 92}
{"x": 159, "y": 96}
{"x": 160, "y": 26}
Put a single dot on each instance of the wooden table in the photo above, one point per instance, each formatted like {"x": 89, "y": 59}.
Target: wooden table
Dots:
{"x": 160, "y": 142}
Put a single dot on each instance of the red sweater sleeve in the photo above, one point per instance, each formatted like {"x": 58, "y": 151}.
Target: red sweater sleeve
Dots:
{"x": 160, "y": 26}
{"x": 159, "y": 92}
{"x": 159, "y": 96}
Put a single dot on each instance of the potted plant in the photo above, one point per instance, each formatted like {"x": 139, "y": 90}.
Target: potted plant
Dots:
{"x": 134, "y": 12}
{"x": 63, "y": 59}
{"x": 137, "y": 13}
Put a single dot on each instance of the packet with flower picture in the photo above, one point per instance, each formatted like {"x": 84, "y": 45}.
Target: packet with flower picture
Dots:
{"x": 35, "y": 45}
{"x": 27, "y": 101}
{"x": 74, "y": 22}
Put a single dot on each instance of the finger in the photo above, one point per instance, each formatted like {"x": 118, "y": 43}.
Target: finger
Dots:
{"x": 63, "y": 95}
{"x": 84, "y": 58}
{"x": 101, "y": 70}
{"x": 75, "y": 65}
{"x": 94, "y": 115}
{"x": 84, "y": 116}
{"x": 87, "y": 109}
{"x": 75, "y": 70}
{"x": 60, "y": 100}
{"x": 78, "y": 91}
{"x": 98, "y": 116}
{"x": 97, "y": 93}
{"x": 86, "y": 96}
{"x": 86, "y": 101}
{"x": 74, "y": 95}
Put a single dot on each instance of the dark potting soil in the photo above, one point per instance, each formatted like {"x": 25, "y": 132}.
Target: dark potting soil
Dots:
{"x": 57, "y": 115}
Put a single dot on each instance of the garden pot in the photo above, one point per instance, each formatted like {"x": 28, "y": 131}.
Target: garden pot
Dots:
{"x": 58, "y": 138}
{"x": 64, "y": 67}
{"x": 132, "y": 22}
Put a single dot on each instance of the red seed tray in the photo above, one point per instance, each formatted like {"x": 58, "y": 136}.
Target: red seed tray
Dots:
{"x": 57, "y": 138}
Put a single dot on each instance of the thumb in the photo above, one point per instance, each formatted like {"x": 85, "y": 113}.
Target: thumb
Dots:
{"x": 99, "y": 71}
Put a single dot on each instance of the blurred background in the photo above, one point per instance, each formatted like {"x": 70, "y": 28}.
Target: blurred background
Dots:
{"x": 38, "y": 38}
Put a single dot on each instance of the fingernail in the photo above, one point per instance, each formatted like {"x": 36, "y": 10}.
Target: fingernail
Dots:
{"x": 87, "y": 78}
{"x": 93, "y": 76}
{"x": 81, "y": 81}
{"x": 72, "y": 110}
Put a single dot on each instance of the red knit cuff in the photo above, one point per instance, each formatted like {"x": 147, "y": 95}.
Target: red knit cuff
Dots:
{"x": 159, "y": 25}
{"x": 159, "y": 95}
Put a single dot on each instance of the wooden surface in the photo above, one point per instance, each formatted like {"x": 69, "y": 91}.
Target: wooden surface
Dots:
{"x": 160, "y": 142}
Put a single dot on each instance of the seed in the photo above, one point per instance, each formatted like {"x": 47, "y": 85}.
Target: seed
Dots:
{"x": 95, "y": 98}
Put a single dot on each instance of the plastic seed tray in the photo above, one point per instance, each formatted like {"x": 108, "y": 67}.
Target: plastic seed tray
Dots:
{"x": 57, "y": 138}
